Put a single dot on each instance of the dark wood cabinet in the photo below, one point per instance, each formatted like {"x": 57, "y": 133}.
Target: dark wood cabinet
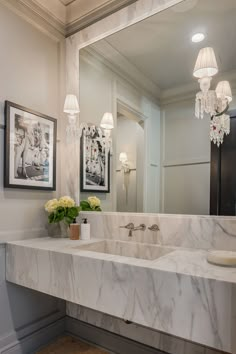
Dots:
{"x": 223, "y": 174}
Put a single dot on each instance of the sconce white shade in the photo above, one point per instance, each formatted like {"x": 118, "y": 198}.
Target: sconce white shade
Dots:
{"x": 206, "y": 65}
{"x": 71, "y": 105}
{"x": 223, "y": 90}
{"x": 123, "y": 157}
{"x": 107, "y": 121}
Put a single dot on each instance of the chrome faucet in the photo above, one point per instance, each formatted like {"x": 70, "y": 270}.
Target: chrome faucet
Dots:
{"x": 131, "y": 228}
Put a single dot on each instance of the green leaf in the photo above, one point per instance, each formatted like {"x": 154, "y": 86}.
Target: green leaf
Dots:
{"x": 72, "y": 212}
{"x": 51, "y": 218}
{"x": 98, "y": 209}
{"x": 85, "y": 205}
{"x": 59, "y": 215}
{"x": 69, "y": 220}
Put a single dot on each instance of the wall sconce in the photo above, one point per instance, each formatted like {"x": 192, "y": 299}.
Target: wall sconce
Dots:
{"x": 71, "y": 107}
{"x": 107, "y": 124}
{"x": 124, "y": 162}
{"x": 213, "y": 102}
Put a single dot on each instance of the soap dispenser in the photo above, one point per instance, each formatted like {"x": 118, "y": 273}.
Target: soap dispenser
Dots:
{"x": 85, "y": 230}
{"x": 74, "y": 230}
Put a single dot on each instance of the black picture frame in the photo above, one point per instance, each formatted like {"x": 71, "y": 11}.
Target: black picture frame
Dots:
{"x": 87, "y": 180}
{"x": 15, "y": 137}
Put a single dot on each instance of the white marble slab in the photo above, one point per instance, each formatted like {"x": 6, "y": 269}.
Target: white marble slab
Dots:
{"x": 191, "y": 231}
{"x": 175, "y": 294}
{"x": 169, "y": 344}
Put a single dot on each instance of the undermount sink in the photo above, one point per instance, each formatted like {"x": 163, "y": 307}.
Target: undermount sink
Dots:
{"x": 128, "y": 249}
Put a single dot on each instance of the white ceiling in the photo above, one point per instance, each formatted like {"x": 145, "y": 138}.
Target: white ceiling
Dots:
{"x": 161, "y": 48}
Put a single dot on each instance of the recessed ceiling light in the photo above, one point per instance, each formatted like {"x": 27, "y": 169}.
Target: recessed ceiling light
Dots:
{"x": 198, "y": 37}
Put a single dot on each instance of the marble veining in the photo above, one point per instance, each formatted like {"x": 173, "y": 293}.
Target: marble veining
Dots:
{"x": 153, "y": 338}
{"x": 191, "y": 231}
{"x": 175, "y": 293}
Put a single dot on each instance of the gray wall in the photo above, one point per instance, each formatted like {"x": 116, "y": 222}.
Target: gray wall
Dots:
{"x": 185, "y": 160}
{"x": 31, "y": 75}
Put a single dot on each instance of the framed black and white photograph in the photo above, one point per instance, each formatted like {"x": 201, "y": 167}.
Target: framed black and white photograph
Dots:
{"x": 94, "y": 163}
{"x": 30, "y": 149}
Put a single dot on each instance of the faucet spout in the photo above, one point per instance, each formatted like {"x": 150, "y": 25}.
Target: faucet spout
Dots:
{"x": 141, "y": 227}
{"x": 131, "y": 228}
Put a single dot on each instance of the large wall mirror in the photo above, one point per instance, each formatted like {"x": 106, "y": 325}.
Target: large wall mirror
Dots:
{"x": 163, "y": 160}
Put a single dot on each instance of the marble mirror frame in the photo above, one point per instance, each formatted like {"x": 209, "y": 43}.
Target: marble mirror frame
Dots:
{"x": 121, "y": 19}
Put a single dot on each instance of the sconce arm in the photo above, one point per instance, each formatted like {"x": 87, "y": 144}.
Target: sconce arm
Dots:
{"x": 223, "y": 112}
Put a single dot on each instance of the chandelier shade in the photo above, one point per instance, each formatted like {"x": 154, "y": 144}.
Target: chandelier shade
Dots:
{"x": 206, "y": 64}
{"x": 223, "y": 91}
{"x": 71, "y": 105}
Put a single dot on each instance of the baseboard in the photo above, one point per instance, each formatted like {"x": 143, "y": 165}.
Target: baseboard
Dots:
{"x": 33, "y": 341}
{"x": 105, "y": 339}
{"x": 68, "y": 325}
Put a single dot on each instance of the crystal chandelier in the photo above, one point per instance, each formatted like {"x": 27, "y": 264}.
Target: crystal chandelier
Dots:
{"x": 212, "y": 102}
{"x": 75, "y": 131}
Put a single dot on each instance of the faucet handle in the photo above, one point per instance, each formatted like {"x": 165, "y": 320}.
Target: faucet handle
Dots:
{"x": 129, "y": 226}
{"x": 141, "y": 227}
{"x": 154, "y": 227}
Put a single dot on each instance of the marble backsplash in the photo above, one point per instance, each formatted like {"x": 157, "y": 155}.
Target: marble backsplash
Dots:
{"x": 191, "y": 231}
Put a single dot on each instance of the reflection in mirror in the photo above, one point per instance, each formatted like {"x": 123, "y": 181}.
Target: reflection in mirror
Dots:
{"x": 147, "y": 76}
{"x": 129, "y": 177}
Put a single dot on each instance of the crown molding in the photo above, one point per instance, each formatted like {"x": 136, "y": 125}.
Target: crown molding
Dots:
{"x": 62, "y": 19}
{"x": 54, "y": 8}
{"x": 67, "y": 2}
{"x": 102, "y": 52}
{"x": 123, "y": 69}
{"x": 92, "y": 16}
{"x": 107, "y": 55}
{"x": 38, "y": 17}
{"x": 188, "y": 91}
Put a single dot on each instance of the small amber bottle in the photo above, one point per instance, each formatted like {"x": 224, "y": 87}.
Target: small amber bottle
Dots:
{"x": 74, "y": 230}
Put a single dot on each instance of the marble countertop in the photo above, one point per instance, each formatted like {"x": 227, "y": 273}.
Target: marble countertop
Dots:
{"x": 184, "y": 261}
{"x": 175, "y": 293}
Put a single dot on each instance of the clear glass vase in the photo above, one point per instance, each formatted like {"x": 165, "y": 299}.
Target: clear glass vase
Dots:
{"x": 58, "y": 230}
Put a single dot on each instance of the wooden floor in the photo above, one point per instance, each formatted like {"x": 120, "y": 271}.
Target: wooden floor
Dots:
{"x": 69, "y": 345}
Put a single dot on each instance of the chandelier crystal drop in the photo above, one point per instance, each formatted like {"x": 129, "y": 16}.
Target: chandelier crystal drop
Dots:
{"x": 219, "y": 126}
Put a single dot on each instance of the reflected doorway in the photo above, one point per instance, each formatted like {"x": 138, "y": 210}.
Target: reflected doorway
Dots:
{"x": 130, "y": 174}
